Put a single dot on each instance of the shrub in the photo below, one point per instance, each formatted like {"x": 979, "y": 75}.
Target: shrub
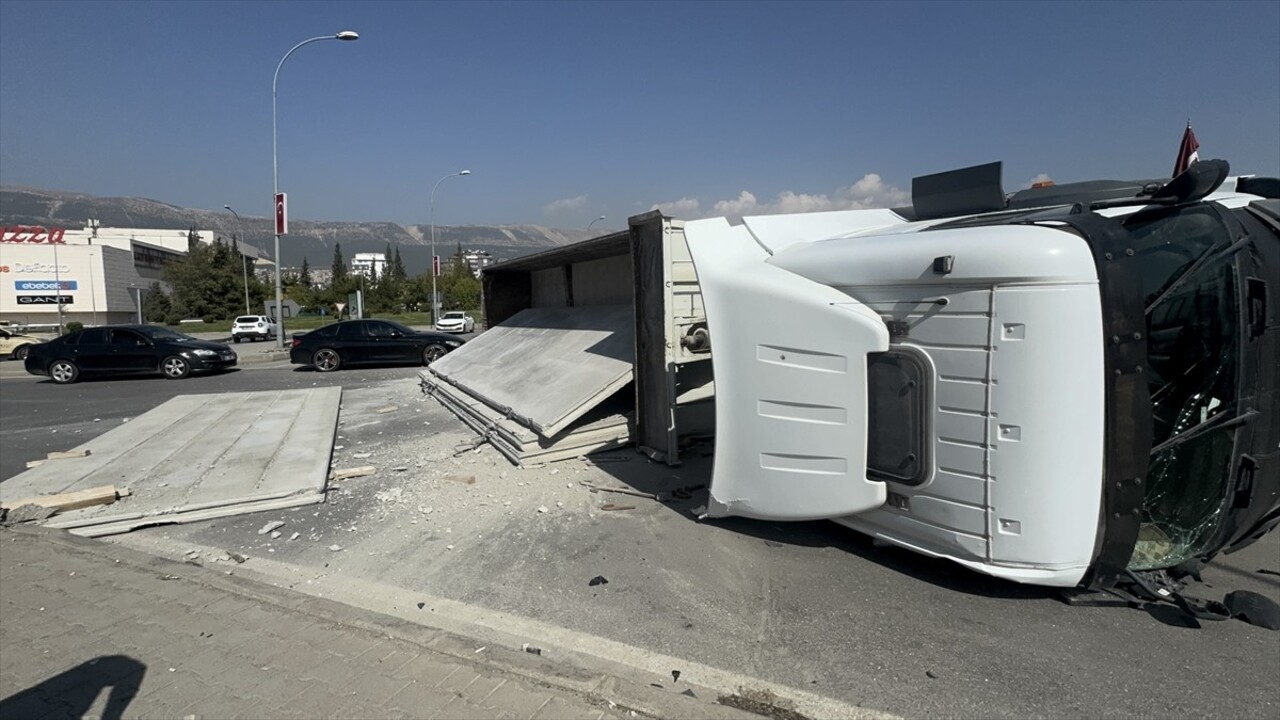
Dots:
{"x": 75, "y": 326}
{"x": 172, "y": 319}
{"x": 210, "y": 319}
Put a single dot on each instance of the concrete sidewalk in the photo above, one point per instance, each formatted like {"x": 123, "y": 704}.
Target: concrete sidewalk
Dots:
{"x": 89, "y": 629}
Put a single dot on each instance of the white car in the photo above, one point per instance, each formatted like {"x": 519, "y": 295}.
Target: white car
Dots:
{"x": 456, "y": 321}
{"x": 15, "y": 345}
{"x": 253, "y": 327}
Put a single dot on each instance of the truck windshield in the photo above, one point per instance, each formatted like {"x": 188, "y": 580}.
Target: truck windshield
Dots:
{"x": 1193, "y": 353}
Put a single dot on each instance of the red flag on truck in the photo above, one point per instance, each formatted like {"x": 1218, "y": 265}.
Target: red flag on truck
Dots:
{"x": 1187, "y": 152}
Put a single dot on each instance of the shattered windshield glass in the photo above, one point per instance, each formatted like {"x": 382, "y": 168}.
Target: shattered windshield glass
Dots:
{"x": 1193, "y": 353}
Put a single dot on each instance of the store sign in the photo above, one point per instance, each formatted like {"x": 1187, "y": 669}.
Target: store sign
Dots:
{"x": 35, "y": 268}
{"x": 33, "y": 234}
{"x": 45, "y": 300}
{"x": 30, "y": 285}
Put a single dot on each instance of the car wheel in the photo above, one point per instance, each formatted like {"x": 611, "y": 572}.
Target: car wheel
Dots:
{"x": 326, "y": 360}
{"x": 175, "y": 367}
{"x": 64, "y": 372}
{"x": 21, "y": 353}
{"x": 432, "y": 353}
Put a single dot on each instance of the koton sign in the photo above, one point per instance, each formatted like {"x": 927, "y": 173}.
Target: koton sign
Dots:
{"x": 33, "y": 234}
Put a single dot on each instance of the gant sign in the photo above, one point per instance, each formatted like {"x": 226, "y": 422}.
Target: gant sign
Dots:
{"x": 33, "y": 234}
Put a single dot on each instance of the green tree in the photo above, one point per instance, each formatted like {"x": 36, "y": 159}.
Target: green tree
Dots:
{"x": 339, "y": 268}
{"x": 304, "y": 277}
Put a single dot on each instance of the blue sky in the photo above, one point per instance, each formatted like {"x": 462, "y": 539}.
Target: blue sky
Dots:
{"x": 568, "y": 111}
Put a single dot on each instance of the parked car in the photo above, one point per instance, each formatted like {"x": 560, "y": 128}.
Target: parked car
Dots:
{"x": 456, "y": 321}
{"x": 15, "y": 345}
{"x": 352, "y": 342}
{"x": 254, "y": 327}
{"x": 126, "y": 350}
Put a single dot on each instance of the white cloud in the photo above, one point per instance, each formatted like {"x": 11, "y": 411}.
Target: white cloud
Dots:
{"x": 567, "y": 205}
{"x": 685, "y": 207}
{"x": 745, "y": 203}
{"x": 868, "y": 192}
{"x": 1042, "y": 177}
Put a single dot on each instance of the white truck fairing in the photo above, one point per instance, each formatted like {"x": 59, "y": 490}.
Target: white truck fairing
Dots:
{"x": 791, "y": 384}
{"x": 1011, "y": 346}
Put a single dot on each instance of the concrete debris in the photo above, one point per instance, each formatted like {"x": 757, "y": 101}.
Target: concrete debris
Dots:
{"x": 387, "y": 409}
{"x": 610, "y": 507}
{"x": 931, "y": 674}
{"x": 335, "y": 548}
{"x": 237, "y": 557}
{"x": 448, "y": 547}
{"x": 273, "y": 525}
{"x": 675, "y": 675}
{"x": 531, "y": 649}
{"x": 28, "y": 512}
{"x": 542, "y": 508}
{"x": 464, "y": 479}
{"x": 275, "y": 534}
{"x": 597, "y": 580}
{"x": 394, "y": 495}
{"x": 421, "y": 605}
{"x": 361, "y": 456}
{"x": 294, "y": 537}
{"x": 401, "y": 468}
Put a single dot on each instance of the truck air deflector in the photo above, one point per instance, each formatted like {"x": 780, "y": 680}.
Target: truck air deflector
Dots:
{"x": 790, "y": 365}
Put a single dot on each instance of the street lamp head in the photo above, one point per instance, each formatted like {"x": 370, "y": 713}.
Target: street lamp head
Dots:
{"x": 348, "y": 35}
{"x": 228, "y": 207}
{"x": 465, "y": 172}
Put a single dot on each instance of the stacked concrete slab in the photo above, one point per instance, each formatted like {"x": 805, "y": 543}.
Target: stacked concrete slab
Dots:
{"x": 547, "y": 384}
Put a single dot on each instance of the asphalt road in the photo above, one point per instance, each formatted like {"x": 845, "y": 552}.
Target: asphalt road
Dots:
{"x": 810, "y": 605}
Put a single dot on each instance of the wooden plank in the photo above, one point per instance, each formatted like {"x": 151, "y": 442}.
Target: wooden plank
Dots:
{"x": 63, "y": 502}
{"x": 66, "y": 454}
{"x": 354, "y": 472}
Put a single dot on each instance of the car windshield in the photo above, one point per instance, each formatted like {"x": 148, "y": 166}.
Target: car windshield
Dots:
{"x": 1193, "y": 354}
{"x": 454, "y": 315}
{"x": 159, "y": 333}
{"x": 247, "y": 319}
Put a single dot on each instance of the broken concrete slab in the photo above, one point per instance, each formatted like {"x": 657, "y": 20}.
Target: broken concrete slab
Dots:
{"x": 197, "y": 457}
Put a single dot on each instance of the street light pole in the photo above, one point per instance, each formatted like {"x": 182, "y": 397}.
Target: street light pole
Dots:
{"x": 435, "y": 305}
{"x": 275, "y": 172}
{"x": 593, "y": 222}
{"x": 244, "y": 267}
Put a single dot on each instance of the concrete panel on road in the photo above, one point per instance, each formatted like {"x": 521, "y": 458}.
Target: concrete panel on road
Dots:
{"x": 197, "y": 457}
{"x": 546, "y": 367}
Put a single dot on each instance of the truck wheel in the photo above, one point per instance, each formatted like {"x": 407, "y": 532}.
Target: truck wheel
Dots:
{"x": 64, "y": 372}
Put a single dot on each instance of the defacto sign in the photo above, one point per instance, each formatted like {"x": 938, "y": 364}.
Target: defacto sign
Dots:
{"x": 45, "y": 300}
{"x": 46, "y": 285}
{"x": 33, "y": 234}
{"x": 35, "y": 268}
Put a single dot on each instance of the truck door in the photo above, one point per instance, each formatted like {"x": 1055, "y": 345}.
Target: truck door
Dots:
{"x": 790, "y": 363}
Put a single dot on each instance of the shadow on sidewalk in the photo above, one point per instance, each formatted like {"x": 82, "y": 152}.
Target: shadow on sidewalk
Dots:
{"x": 76, "y": 689}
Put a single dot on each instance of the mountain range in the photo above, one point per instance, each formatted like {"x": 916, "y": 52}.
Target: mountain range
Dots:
{"x": 306, "y": 239}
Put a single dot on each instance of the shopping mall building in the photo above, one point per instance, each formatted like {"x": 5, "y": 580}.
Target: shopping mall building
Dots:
{"x": 96, "y": 275}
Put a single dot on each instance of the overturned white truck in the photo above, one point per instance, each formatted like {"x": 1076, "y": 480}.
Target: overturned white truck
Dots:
{"x": 1064, "y": 386}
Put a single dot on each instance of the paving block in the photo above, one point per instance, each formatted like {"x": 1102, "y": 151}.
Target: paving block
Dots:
{"x": 517, "y": 699}
{"x": 427, "y": 669}
{"x": 420, "y": 700}
{"x": 560, "y": 709}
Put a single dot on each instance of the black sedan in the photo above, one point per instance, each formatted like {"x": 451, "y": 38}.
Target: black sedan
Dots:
{"x": 352, "y": 342}
{"x": 126, "y": 350}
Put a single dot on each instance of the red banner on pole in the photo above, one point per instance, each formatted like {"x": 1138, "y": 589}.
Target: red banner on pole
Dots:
{"x": 282, "y": 215}
{"x": 435, "y": 265}
{"x": 1187, "y": 152}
